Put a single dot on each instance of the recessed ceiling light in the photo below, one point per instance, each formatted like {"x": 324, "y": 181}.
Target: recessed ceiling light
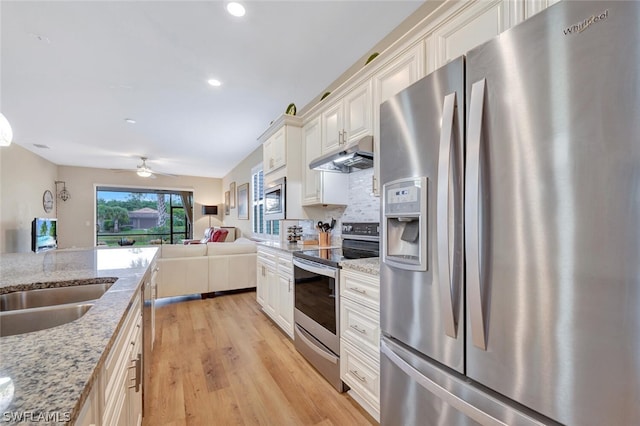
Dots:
{"x": 236, "y": 9}
{"x": 130, "y": 120}
{"x": 214, "y": 82}
{"x": 41, "y": 38}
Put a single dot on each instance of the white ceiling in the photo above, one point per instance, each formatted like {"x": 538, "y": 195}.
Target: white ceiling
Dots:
{"x": 71, "y": 72}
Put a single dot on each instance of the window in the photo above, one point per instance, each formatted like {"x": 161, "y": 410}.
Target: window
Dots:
{"x": 261, "y": 227}
{"x": 257, "y": 200}
{"x": 127, "y": 216}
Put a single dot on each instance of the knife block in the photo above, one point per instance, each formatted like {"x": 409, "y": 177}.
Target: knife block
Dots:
{"x": 324, "y": 238}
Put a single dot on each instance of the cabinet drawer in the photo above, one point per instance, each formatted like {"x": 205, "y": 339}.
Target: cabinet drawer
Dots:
{"x": 361, "y": 288}
{"x": 285, "y": 262}
{"x": 361, "y": 373}
{"x": 118, "y": 358}
{"x": 361, "y": 327}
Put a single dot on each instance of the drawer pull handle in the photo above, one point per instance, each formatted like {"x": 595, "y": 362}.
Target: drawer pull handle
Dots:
{"x": 358, "y": 376}
{"x": 137, "y": 380}
{"x": 358, "y": 290}
{"x": 358, "y": 329}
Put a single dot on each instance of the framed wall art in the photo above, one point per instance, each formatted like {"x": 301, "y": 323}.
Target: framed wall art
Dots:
{"x": 227, "y": 195}
{"x": 243, "y": 201}
{"x": 232, "y": 193}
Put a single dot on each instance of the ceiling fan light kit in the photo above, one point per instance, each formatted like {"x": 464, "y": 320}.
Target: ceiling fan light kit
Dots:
{"x": 6, "y": 133}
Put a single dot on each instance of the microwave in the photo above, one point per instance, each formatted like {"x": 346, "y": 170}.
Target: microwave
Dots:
{"x": 275, "y": 199}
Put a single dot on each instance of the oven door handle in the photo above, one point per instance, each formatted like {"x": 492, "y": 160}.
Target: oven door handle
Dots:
{"x": 316, "y": 268}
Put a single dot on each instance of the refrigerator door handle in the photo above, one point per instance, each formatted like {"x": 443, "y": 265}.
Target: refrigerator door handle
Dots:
{"x": 445, "y": 395}
{"x": 442, "y": 218}
{"x": 472, "y": 215}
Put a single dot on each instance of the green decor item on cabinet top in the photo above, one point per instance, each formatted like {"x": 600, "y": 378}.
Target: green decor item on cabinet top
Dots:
{"x": 291, "y": 109}
{"x": 371, "y": 58}
{"x": 325, "y": 95}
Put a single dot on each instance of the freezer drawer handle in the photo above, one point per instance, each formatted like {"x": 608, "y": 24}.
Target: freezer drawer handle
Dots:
{"x": 440, "y": 392}
{"x": 358, "y": 290}
{"x": 448, "y": 295}
{"x": 472, "y": 215}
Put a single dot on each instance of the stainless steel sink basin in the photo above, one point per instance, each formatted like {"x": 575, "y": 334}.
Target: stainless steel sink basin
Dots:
{"x": 28, "y": 320}
{"x": 51, "y": 296}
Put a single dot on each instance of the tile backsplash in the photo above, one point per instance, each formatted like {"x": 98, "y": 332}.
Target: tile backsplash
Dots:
{"x": 363, "y": 205}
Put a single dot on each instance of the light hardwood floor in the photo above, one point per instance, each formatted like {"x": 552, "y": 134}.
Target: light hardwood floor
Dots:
{"x": 221, "y": 361}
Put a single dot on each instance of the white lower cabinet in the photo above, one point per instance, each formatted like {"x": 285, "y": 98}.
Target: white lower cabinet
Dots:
{"x": 116, "y": 394}
{"x": 121, "y": 377}
{"x": 90, "y": 412}
{"x": 275, "y": 286}
{"x": 360, "y": 338}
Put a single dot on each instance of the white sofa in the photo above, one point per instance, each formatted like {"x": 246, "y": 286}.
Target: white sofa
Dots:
{"x": 206, "y": 268}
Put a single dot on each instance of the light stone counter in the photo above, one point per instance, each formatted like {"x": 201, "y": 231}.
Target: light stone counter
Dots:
{"x": 369, "y": 265}
{"x": 291, "y": 247}
{"x": 45, "y": 376}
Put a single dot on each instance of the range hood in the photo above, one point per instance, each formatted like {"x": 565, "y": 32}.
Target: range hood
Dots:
{"x": 356, "y": 155}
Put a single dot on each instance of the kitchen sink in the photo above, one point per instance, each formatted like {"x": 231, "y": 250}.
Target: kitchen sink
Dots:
{"x": 51, "y": 296}
{"x": 28, "y": 320}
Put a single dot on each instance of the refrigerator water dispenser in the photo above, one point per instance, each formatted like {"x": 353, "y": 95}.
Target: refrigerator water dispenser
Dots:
{"x": 405, "y": 224}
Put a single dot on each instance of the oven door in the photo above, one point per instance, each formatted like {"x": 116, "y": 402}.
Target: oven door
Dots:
{"x": 275, "y": 200}
{"x": 317, "y": 306}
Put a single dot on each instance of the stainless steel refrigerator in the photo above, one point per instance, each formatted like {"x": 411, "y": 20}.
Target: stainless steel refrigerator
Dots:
{"x": 510, "y": 273}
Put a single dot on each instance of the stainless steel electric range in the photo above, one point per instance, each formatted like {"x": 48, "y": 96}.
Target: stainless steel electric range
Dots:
{"x": 317, "y": 296}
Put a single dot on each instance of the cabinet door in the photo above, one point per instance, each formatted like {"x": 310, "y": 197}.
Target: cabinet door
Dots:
{"x": 332, "y": 126}
{"x": 271, "y": 305}
{"x": 261, "y": 283}
{"x": 531, "y": 7}
{"x": 358, "y": 111}
{"x": 399, "y": 74}
{"x": 470, "y": 27}
{"x": 279, "y": 148}
{"x": 134, "y": 395}
{"x": 312, "y": 150}
{"x": 285, "y": 302}
{"x": 267, "y": 158}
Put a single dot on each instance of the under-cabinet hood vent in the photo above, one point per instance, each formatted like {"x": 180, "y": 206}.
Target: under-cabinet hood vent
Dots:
{"x": 355, "y": 156}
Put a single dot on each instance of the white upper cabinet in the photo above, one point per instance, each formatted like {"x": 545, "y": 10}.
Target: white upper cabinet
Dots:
{"x": 320, "y": 187}
{"x": 398, "y": 74}
{"x": 348, "y": 118}
{"x": 274, "y": 151}
{"x": 332, "y": 126}
{"x": 531, "y": 7}
{"x": 311, "y": 149}
{"x": 470, "y": 26}
{"x": 358, "y": 110}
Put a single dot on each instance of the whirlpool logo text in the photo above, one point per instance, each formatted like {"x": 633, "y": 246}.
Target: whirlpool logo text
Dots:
{"x": 581, "y": 26}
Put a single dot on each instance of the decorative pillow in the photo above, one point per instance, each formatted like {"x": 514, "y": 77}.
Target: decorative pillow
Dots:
{"x": 219, "y": 236}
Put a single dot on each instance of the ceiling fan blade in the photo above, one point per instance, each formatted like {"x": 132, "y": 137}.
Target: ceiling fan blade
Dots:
{"x": 163, "y": 174}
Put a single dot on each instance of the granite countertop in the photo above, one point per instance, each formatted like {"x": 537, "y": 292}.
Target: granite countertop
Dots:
{"x": 369, "y": 265}
{"x": 45, "y": 376}
{"x": 291, "y": 247}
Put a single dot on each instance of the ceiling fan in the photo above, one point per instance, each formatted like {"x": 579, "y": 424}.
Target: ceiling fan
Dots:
{"x": 145, "y": 171}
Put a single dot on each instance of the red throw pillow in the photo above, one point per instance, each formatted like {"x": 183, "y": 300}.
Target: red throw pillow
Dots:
{"x": 219, "y": 236}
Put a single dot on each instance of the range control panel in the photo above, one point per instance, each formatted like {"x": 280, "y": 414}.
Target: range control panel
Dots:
{"x": 361, "y": 228}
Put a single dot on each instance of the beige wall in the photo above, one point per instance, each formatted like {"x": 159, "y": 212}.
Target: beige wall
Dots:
{"x": 24, "y": 176}
{"x": 76, "y": 216}
{"x": 241, "y": 174}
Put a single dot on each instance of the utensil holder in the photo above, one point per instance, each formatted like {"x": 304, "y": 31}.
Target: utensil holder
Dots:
{"x": 325, "y": 239}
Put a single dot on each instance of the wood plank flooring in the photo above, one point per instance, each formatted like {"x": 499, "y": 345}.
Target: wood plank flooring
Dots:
{"x": 221, "y": 361}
